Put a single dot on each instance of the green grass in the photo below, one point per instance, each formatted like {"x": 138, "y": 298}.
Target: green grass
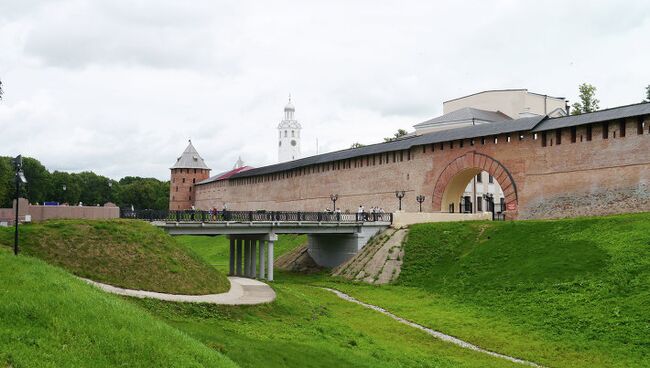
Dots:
{"x": 309, "y": 327}
{"x": 306, "y": 326}
{"x": 49, "y": 318}
{"x": 127, "y": 253}
{"x": 565, "y": 293}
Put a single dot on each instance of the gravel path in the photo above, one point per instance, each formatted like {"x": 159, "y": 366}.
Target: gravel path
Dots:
{"x": 434, "y": 333}
{"x": 242, "y": 291}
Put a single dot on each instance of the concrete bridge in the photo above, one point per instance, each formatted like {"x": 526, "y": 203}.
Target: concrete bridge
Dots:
{"x": 332, "y": 237}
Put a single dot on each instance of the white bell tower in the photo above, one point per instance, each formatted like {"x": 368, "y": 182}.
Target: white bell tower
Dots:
{"x": 289, "y": 135}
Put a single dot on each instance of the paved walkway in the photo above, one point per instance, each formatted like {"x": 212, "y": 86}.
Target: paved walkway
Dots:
{"x": 242, "y": 291}
{"x": 434, "y": 333}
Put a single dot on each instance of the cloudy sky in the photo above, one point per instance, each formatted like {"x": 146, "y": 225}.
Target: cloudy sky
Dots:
{"x": 118, "y": 86}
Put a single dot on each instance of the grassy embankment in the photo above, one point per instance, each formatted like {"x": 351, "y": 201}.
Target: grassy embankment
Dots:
{"x": 125, "y": 253}
{"x": 48, "y": 318}
{"x": 306, "y": 326}
{"x": 564, "y": 293}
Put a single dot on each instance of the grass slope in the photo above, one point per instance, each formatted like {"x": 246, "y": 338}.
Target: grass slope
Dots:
{"x": 307, "y": 326}
{"x": 48, "y": 318}
{"x": 126, "y": 253}
{"x": 565, "y": 293}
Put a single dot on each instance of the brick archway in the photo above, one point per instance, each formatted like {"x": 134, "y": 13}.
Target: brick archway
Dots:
{"x": 463, "y": 168}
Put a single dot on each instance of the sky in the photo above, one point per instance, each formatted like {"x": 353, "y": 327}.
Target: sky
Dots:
{"x": 118, "y": 87}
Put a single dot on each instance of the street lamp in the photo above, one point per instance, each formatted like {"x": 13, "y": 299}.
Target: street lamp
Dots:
{"x": 334, "y": 197}
{"x": 65, "y": 187}
{"x": 489, "y": 197}
{"x": 400, "y": 194}
{"x": 420, "y": 199}
{"x": 20, "y": 178}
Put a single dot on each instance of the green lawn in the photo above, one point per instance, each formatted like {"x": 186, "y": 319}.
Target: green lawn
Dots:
{"x": 126, "y": 253}
{"x": 565, "y": 293}
{"x": 306, "y": 326}
{"x": 49, "y": 318}
{"x": 309, "y": 327}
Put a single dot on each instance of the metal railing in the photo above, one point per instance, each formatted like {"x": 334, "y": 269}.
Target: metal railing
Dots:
{"x": 253, "y": 216}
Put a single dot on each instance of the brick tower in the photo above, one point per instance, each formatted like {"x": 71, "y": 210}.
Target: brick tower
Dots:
{"x": 188, "y": 170}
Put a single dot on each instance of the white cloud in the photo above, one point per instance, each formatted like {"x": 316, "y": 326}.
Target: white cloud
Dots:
{"x": 117, "y": 87}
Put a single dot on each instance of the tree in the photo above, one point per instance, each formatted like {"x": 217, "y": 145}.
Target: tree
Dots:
{"x": 357, "y": 145}
{"x": 588, "y": 101}
{"x": 647, "y": 94}
{"x": 6, "y": 182}
{"x": 0, "y": 90}
{"x": 38, "y": 180}
{"x": 400, "y": 133}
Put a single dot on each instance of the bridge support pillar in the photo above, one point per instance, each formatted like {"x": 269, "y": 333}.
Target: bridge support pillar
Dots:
{"x": 239, "y": 256}
{"x": 270, "y": 258}
{"x": 254, "y": 258}
{"x": 231, "y": 263}
{"x": 247, "y": 258}
{"x": 262, "y": 259}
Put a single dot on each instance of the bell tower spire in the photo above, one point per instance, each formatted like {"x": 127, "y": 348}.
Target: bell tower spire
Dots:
{"x": 289, "y": 135}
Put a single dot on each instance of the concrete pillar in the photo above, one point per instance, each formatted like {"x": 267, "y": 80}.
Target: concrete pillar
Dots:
{"x": 231, "y": 262}
{"x": 254, "y": 258}
{"x": 239, "y": 256}
{"x": 262, "y": 260}
{"x": 270, "y": 255}
{"x": 247, "y": 258}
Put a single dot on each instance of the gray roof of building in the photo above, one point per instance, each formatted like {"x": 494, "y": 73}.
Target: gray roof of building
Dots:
{"x": 466, "y": 114}
{"x": 621, "y": 112}
{"x": 401, "y": 144}
{"x": 534, "y": 124}
{"x": 190, "y": 159}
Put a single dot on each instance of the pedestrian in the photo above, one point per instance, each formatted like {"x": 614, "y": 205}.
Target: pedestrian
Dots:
{"x": 360, "y": 211}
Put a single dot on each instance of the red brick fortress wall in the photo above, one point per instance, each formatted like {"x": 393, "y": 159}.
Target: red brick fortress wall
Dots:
{"x": 541, "y": 177}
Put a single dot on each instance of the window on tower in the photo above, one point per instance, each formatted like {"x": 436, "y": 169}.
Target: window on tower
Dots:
{"x": 293, "y": 133}
{"x": 285, "y": 133}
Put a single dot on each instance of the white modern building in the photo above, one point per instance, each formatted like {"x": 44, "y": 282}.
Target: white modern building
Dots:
{"x": 289, "y": 135}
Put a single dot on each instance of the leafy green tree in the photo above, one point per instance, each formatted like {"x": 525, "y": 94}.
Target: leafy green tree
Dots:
{"x": 588, "y": 101}
{"x": 1, "y": 90}
{"x": 86, "y": 187}
{"x": 6, "y": 181}
{"x": 38, "y": 180}
{"x": 357, "y": 145}
{"x": 647, "y": 94}
{"x": 398, "y": 134}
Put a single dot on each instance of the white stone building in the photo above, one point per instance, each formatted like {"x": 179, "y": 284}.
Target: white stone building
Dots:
{"x": 289, "y": 135}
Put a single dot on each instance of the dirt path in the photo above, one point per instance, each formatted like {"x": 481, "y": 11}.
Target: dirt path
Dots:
{"x": 242, "y": 291}
{"x": 434, "y": 333}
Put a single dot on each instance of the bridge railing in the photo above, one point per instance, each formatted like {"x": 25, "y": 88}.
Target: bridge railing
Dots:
{"x": 252, "y": 216}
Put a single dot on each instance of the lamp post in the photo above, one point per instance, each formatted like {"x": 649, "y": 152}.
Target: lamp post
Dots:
{"x": 420, "y": 199}
{"x": 334, "y": 197}
{"x": 65, "y": 187}
{"x": 489, "y": 197}
{"x": 20, "y": 178}
{"x": 400, "y": 194}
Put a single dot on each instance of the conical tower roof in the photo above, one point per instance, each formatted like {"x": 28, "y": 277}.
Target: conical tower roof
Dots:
{"x": 190, "y": 159}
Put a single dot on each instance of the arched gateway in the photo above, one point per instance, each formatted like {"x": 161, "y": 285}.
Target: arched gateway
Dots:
{"x": 454, "y": 178}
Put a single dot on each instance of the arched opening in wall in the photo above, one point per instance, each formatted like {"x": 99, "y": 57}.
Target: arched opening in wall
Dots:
{"x": 474, "y": 183}
{"x": 473, "y": 190}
